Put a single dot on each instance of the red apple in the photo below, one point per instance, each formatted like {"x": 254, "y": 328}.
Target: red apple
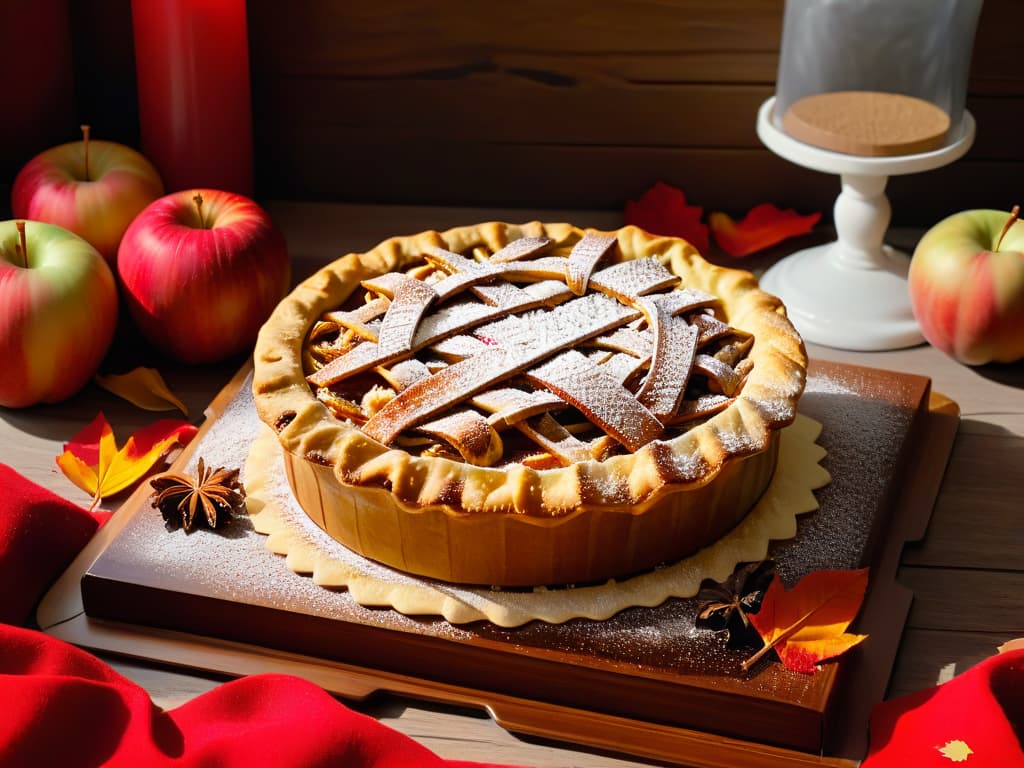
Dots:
{"x": 93, "y": 188}
{"x": 967, "y": 286}
{"x": 201, "y": 271}
{"x": 58, "y": 311}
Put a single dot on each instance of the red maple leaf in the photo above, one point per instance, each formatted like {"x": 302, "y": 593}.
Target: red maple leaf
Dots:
{"x": 763, "y": 226}
{"x": 94, "y": 463}
{"x": 662, "y": 210}
{"x": 807, "y": 624}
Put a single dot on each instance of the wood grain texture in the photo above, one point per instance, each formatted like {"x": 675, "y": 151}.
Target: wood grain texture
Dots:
{"x": 511, "y": 104}
{"x": 977, "y": 600}
{"x": 967, "y": 572}
{"x": 976, "y": 522}
{"x": 932, "y": 656}
{"x": 446, "y": 104}
{"x": 629, "y": 40}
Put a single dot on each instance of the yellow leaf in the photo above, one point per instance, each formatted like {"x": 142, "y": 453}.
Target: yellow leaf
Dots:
{"x": 803, "y": 655}
{"x": 1016, "y": 644}
{"x": 141, "y": 452}
{"x": 78, "y": 472}
{"x": 957, "y": 751}
{"x": 93, "y": 462}
{"x": 87, "y": 456}
{"x": 144, "y": 387}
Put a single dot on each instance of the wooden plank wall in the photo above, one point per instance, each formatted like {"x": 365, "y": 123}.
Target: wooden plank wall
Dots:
{"x": 574, "y": 103}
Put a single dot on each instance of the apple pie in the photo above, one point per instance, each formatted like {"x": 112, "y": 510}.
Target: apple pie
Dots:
{"x": 526, "y": 405}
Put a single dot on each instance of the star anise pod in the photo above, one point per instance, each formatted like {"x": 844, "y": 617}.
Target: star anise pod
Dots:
{"x": 725, "y": 605}
{"x": 217, "y": 492}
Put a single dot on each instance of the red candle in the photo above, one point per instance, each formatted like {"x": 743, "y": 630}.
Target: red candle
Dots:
{"x": 195, "y": 108}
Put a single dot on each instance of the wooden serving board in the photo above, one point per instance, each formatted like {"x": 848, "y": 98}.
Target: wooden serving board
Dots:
{"x": 644, "y": 682}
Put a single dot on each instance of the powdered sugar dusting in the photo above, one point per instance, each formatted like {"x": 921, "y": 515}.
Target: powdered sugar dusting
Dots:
{"x": 863, "y": 436}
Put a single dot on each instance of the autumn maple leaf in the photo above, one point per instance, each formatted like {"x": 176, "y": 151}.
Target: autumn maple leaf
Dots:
{"x": 663, "y": 210}
{"x": 807, "y": 624}
{"x": 763, "y": 226}
{"x": 93, "y": 462}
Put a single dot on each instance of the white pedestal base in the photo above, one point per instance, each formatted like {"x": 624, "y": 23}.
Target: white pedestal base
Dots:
{"x": 852, "y": 293}
{"x": 846, "y": 307}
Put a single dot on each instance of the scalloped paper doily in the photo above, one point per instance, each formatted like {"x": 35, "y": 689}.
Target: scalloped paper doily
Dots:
{"x": 309, "y": 551}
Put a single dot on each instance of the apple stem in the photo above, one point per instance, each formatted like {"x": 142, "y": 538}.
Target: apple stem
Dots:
{"x": 21, "y": 248}
{"x": 85, "y": 142}
{"x": 1007, "y": 225}
{"x": 198, "y": 200}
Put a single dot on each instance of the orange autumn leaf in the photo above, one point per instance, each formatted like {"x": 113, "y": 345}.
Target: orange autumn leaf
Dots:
{"x": 144, "y": 387}
{"x": 763, "y": 226}
{"x": 807, "y": 624}
{"x": 662, "y": 210}
{"x": 94, "y": 463}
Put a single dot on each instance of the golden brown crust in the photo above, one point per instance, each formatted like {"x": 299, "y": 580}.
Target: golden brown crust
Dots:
{"x": 306, "y": 428}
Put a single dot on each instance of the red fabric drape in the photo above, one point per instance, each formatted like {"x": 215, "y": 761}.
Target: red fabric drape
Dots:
{"x": 62, "y": 706}
{"x": 59, "y": 705}
{"x": 40, "y": 534}
{"x": 975, "y": 719}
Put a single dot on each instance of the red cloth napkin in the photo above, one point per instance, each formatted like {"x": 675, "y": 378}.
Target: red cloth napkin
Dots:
{"x": 977, "y": 719}
{"x": 65, "y": 707}
{"x": 62, "y": 706}
{"x": 40, "y": 534}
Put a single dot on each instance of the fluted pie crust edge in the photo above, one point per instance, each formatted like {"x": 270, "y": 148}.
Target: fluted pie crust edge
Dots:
{"x": 517, "y": 526}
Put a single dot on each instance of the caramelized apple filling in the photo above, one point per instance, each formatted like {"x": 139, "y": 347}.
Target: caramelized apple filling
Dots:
{"x": 535, "y": 354}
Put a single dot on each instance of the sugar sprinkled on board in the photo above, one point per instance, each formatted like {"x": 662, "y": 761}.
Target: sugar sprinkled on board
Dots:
{"x": 862, "y": 434}
{"x": 864, "y": 437}
{"x": 232, "y": 563}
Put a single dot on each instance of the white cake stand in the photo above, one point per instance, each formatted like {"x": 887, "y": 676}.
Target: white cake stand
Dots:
{"x": 852, "y": 293}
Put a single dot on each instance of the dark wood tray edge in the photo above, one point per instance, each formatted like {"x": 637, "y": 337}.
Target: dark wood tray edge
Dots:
{"x": 568, "y": 726}
{"x": 883, "y": 618}
{"x": 865, "y": 677}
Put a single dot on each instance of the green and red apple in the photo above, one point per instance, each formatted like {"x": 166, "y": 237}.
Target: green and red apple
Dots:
{"x": 201, "y": 270}
{"x": 93, "y": 188}
{"x": 58, "y": 312}
{"x": 966, "y": 285}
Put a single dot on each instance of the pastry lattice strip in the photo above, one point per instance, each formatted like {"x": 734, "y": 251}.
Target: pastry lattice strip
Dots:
{"x": 409, "y": 302}
{"x": 508, "y": 405}
{"x": 722, "y": 378}
{"x": 599, "y": 397}
{"x": 675, "y": 345}
{"x": 584, "y": 257}
{"x": 509, "y": 334}
{"x": 556, "y": 440}
{"x": 468, "y": 432}
{"x": 701, "y": 408}
{"x": 561, "y": 327}
{"x": 522, "y": 248}
{"x": 445, "y": 322}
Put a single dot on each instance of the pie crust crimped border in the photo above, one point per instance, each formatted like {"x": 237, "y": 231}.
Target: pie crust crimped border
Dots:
{"x": 310, "y": 551}
{"x": 307, "y": 429}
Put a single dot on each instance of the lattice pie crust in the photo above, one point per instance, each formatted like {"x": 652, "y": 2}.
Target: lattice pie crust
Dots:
{"x": 532, "y": 404}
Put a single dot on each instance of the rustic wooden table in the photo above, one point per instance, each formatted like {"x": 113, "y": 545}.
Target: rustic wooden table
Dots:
{"x": 967, "y": 573}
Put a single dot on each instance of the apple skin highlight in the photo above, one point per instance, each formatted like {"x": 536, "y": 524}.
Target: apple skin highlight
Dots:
{"x": 97, "y": 202}
{"x": 57, "y": 314}
{"x": 199, "y": 283}
{"x": 967, "y": 287}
